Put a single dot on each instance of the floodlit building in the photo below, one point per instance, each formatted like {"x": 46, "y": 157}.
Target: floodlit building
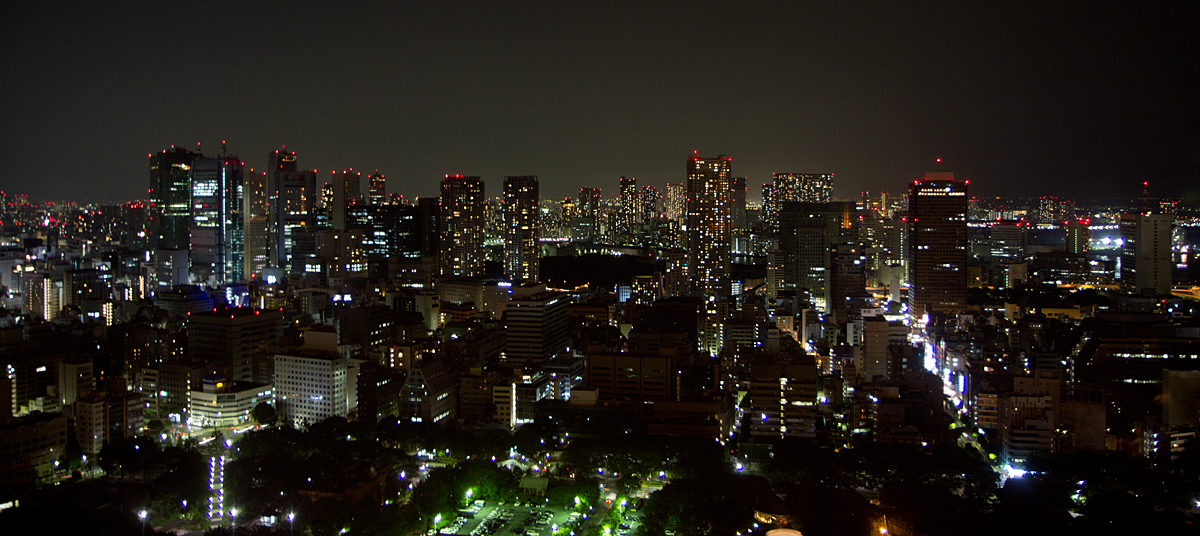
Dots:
{"x": 222, "y": 403}
{"x": 311, "y": 387}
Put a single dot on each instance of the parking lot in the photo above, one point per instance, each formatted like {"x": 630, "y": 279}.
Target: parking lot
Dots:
{"x": 520, "y": 519}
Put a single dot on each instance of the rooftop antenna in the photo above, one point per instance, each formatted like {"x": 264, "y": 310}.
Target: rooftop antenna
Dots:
{"x": 1145, "y": 195}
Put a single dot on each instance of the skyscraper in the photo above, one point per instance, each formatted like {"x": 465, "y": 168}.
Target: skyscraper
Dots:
{"x": 462, "y": 226}
{"x": 256, "y": 215}
{"x": 346, "y": 193}
{"x": 739, "y": 203}
{"x": 1078, "y": 236}
{"x": 584, "y": 228}
{"x": 937, "y": 250}
{"x": 522, "y": 228}
{"x": 787, "y": 187}
{"x": 291, "y": 198}
{"x": 630, "y": 206}
{"x": 537, "y": 327}
{"x": 376, "y": 189}
{"x": 218, "y": 228}
{"x": 676, "y": 202}
{"x": 171, "y": 194}
{"x": 1146, "y": 251}
{"x": 806, "y": 233}
{"x": 709, "y": 218}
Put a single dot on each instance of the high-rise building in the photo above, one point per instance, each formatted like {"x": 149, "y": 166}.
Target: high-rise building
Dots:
{"x": 781, "y": 401}
{"x": 630, "y": 206}
{"x": 376, "y": 189}
{"x": 171, "y": 195}
{"x": 218, "y": 226}
{"x": 584, "y": 227}
{"x": 1078, "y": 237}
{"x": 311, "y": 387}
{"x": 537, "y": 327}
{"x": 388, "y": 231}
{"x": 462, "y": 220}
{"x": 346, "y": 194}
{"x": 291, "y": 203}
{"x": 739, "y": 203}
{"x": 1146, "y": 251}
{"x": 342, "y": 253}
{"x": 709, "y": 218}
{"x": 676, "y": 202}
{"x": 256, "y": 217}
{"x": 522, "y": 228}
{"x": 937, "y": 248}
{"x": 231, "y": 337}
{"x": 806, "y": 233}
{"x": 1010, "y": 239}
{"x": 790, "y": 187}
{"x": 845, "y": 282}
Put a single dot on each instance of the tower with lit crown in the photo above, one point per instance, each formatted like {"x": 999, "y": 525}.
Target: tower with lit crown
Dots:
{"x": 937, "y": 249}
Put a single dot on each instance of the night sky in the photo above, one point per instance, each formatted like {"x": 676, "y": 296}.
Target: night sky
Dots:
{"x": 1023, "y": 98}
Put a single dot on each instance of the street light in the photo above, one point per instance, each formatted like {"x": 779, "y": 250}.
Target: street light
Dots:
{"x": 142, "y": 516}
{"x": 292, "y": 522}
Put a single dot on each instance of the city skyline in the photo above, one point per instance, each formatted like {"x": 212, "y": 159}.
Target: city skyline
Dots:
{"x": 1023, "y": 101}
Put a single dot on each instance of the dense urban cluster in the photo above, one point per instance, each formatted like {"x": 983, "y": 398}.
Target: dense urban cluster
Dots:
{"x": 277, "y": 351}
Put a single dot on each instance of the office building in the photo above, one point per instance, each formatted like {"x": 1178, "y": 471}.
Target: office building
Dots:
{"x": 376, "y": 189}
{"x": 1146, "y": 251}
{"x": 222, "y": 403}
{"x": 709, "y": 219}
{"x": 256, "y": 216}
{"x": 1078, "y": 237}
{"x": 537, "y": 327}
{"x": 38, "y": 442}
{"x": 937, "y": 249}
{"x": 739, "y": 203}
{"x": 311, "y": 387}
{"x": 782, "y": 399}
{"x": 807, "y": 231}
{"x": 428, "y": 394}
{"x": 232, "y": 337}
{"x": 171, "y": 196}
{"x": 522, "y": 229}
{"x": 462, "y": 220}
{"x": 104, "y": 417}
{"x": 292, "y": 197}
{"x": 218, "y": 225}
{"x": 846, "y": 282}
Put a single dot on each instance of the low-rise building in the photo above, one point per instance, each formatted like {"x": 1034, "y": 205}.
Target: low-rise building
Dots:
{"x": 222, "y": 403}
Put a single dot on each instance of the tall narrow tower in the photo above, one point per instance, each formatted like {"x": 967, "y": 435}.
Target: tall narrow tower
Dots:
{"x": 709, "y": 218}
{"x": 462, "y": 226}
{"x": 522, "y": 228}
{"x": 937, "y": 230}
